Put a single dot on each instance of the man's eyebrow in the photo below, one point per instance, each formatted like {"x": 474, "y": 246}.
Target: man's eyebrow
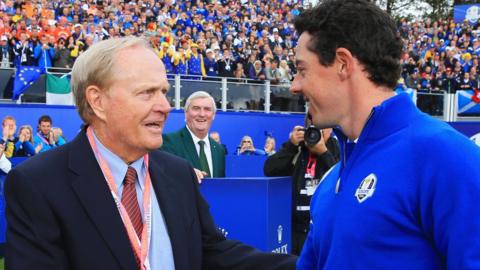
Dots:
{"x": 299, "y": 62}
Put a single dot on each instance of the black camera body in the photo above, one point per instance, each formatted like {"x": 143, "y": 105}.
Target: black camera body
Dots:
{"x": 312, "y": 135}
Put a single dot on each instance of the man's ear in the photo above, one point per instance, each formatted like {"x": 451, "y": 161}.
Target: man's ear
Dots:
{"x": 96, "y": 99}
{"x": 344, "y": 62}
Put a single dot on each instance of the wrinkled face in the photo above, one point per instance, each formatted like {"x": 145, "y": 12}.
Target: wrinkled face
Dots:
{"x": 319, "y": 85}
{"x": 135, "y": 104}
{"x": 45, "y": 127}
{"x": 199, "y": 116}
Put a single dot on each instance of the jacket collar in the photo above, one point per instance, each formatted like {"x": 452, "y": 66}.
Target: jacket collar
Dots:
{"x": 387, "y": 118}
{"x": 93, "y": 193}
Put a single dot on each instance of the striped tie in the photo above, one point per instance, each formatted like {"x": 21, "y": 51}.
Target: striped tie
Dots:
{"x": 130, "y": 202}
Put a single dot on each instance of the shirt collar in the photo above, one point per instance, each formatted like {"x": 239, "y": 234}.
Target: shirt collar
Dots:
{"x": 196, "y": 139}
{"x": 116, "y": 165}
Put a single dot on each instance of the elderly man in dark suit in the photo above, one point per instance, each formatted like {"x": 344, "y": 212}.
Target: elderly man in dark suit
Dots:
{"x": 109, "y": 199}
{"x": 192, "y": 141}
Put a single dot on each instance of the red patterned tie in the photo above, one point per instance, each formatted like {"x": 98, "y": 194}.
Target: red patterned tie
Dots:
{"x": 130, "y": 202}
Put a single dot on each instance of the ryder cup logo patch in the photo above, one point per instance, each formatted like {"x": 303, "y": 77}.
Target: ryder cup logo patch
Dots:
{"x": 366, "y": 188}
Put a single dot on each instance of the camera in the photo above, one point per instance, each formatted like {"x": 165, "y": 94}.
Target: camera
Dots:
{"x": 312, "y": 135}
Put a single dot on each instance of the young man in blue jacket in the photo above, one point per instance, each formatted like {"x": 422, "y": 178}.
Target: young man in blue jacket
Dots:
{"x": 405, "y": 193}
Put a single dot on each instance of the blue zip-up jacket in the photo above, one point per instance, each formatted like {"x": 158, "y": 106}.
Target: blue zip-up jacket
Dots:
{"x": 44, "y": 57}
{"x": 406, "y": 196}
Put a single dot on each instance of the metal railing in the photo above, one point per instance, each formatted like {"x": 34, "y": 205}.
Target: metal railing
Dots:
{"x": 234, "y": 94}
{"x": 442, "y": 105}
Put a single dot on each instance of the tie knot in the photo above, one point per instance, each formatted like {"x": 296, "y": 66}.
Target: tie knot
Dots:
{"x": 131, "y": 176}
{"x": 201, "y": 143}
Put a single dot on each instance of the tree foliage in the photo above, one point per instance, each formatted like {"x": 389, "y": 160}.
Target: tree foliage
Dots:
{"x": 436, "y": 8}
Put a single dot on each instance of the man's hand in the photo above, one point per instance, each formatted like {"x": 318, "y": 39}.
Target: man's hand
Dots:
{"x": 200, "y": 175}
{"x": 297, "y": 135}
{"x": 2, "y": 147}
{"x": 319, "y": 148}
{"x": 5, "y": 132}
{"x": 21, "y": 137}
{"x": 51, "y": 137}
{"x": 11, "y": 132}
{"x": 38, "y": 148}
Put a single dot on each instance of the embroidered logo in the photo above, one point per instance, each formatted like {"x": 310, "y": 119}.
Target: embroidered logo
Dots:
{"x": 366, "y": 188}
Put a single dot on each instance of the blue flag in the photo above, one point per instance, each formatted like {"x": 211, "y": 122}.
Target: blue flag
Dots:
{"x": 466, "y": 102}
{"x": 24, "y": 77}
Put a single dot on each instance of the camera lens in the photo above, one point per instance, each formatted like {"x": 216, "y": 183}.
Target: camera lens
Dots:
{"x": 312, "y": 135}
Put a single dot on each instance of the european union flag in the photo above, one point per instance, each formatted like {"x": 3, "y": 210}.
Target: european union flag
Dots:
{"x": 24, "y": 77}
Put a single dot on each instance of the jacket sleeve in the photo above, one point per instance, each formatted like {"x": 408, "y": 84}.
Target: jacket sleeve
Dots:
{"x": 329, "y": 158}
{"x": 33, "y": 235}
{"x": 37, "y": 52}
{"x": 449, "y": 212}
{"x": 281, "y": 163}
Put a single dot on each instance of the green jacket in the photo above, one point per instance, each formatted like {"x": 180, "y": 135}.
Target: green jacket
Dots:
{"x": 181, "y": 144}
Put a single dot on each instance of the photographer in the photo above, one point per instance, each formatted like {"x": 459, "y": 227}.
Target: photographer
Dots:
{"x": 62, "y": 58}
{"x": 306, "y": 164}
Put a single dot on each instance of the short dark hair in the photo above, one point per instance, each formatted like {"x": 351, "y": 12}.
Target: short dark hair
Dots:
{"x": 361, "y": 27}
{"x": 44, "y": 118}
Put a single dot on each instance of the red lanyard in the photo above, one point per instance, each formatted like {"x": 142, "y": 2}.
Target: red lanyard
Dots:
{"x": 311, "y": 164}
{"x": 140, "y": 247}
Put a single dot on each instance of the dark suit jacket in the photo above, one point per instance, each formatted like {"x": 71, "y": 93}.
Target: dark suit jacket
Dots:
{"x": 61, "y": 215}
{"x": 180, "y": 143}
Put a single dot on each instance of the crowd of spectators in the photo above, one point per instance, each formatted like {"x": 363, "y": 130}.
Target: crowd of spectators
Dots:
{"x": 25, "y": 142}
{"x": 248, "y": 39}
{"x": 440, "y": 55}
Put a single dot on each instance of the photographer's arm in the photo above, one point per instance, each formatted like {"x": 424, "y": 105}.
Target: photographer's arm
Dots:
{"x": 281, "y": 163}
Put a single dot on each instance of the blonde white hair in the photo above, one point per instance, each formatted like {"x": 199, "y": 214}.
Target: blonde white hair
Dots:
{"x": 95, "y": 67}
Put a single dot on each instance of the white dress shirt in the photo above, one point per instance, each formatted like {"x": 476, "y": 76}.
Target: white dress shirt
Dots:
{"x": 208, "y": 149}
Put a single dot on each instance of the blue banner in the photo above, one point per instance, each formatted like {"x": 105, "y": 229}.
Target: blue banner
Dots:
{"x": 471, "y": 13}
{"x": 254, "y": 210}
{"x": 469, "y": 129}
{"x": 232, "y": 126}
{"x": 466, "y": 104}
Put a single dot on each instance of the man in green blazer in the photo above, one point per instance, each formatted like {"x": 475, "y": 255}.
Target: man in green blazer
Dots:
{"x": 192, "y": 141}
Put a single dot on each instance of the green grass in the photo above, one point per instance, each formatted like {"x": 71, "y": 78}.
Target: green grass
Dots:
{"x": 1, "y": 264}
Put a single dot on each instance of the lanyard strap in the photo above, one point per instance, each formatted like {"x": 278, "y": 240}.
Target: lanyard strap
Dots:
{"x": 311, "y": 164}
{"x": 43, "y": 138}
{"x": 140, "y": 246}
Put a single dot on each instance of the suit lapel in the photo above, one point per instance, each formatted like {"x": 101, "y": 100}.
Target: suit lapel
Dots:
{"x": 189, "y": 147}
{"x": 174, "y": 219}
{"x": 215, "y": 157}
{"x": 92, "y": 190}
